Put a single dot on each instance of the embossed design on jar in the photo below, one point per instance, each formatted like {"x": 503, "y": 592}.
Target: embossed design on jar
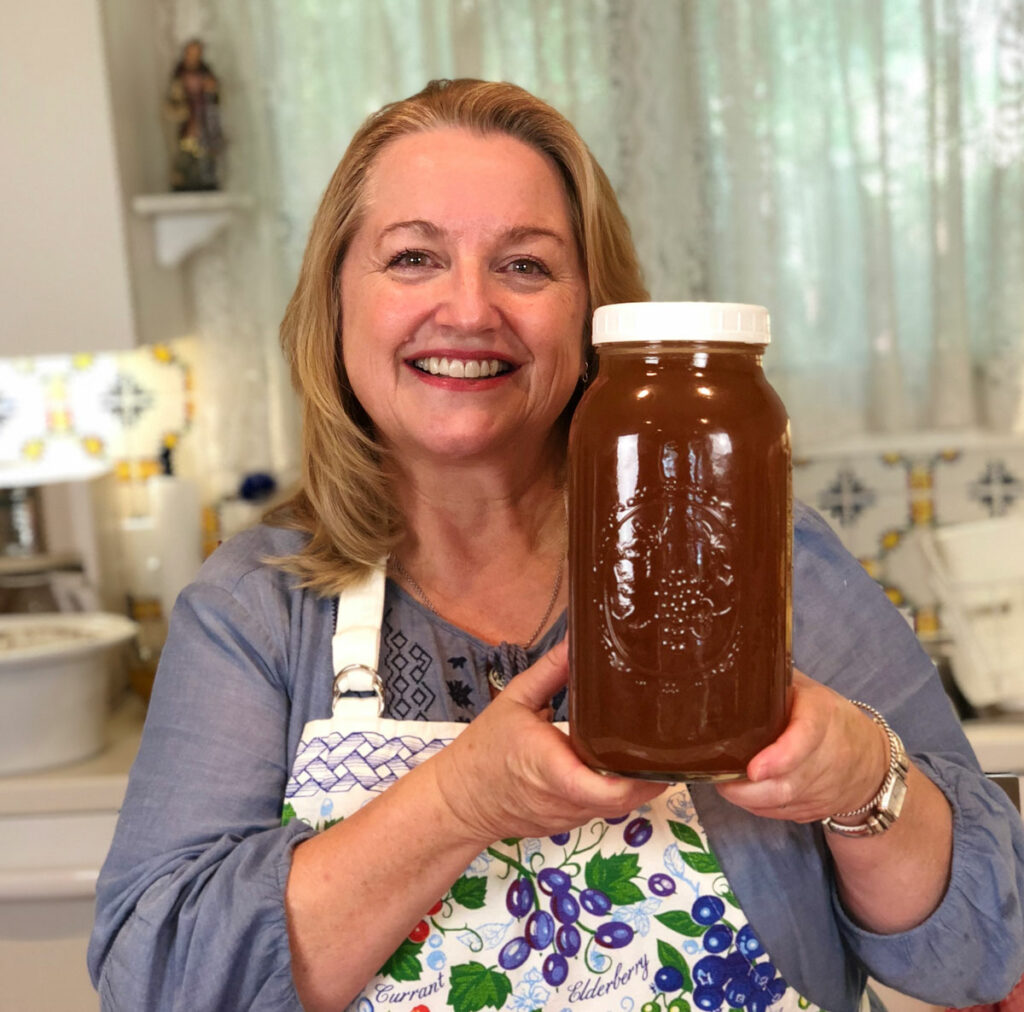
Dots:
{"x": 672, "y": 548}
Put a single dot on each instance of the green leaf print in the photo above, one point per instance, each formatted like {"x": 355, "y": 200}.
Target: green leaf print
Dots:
{"x": 705, "y": 863}
{"x": 612, "y": 876}
{"x": 287, "y": 813}
{"x": 470, "y": 892}
{"x": 729, "y": 898}
{"x": 474, "y": 986}
{"x": 670, "y": 956}
{"x": 681, "y": 921}
{"x": 404, "y": 963}
{"x": 685, "y": 834}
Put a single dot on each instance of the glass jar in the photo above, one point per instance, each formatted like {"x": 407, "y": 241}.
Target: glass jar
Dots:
{"x": 680, "y": 547}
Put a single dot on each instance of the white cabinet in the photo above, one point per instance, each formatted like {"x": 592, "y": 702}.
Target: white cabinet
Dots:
{"x": 80, "y": 91}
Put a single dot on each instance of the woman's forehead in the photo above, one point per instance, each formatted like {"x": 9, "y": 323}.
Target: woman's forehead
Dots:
{"x": 461, "y": 175}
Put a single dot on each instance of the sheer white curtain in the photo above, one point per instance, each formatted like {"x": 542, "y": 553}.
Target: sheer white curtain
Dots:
{"x": 855, "y": 165}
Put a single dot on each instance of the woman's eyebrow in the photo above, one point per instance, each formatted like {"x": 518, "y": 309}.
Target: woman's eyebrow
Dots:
{"x": 425, "y": 228}
{"x": 520, "y": 233}
{"x": 516, "y": 233}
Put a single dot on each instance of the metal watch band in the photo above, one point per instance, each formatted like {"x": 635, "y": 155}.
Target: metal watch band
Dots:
{"x": 885, "y": 807}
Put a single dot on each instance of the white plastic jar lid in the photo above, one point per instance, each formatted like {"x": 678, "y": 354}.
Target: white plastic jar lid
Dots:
{"x": 681, "y": 321}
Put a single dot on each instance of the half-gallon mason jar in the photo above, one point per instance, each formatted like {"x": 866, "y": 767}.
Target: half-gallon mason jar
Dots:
{"x": 680, "y": 545}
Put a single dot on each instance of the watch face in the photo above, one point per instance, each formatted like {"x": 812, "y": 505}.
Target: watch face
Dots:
{"x": 892, "y": 802}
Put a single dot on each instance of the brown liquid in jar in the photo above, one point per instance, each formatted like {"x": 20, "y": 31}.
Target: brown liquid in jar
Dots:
{"x": 680, "y": 562}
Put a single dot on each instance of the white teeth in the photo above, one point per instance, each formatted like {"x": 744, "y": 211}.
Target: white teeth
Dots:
{"x": 460, "y": 368}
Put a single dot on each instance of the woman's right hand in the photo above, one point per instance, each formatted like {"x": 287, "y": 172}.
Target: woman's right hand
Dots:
{"x": 512, "y": 773}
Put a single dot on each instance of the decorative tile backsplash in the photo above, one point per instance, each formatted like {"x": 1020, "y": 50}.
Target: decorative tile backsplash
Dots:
{"x": 120, "y": 409}
{"x": 878, "y": 502}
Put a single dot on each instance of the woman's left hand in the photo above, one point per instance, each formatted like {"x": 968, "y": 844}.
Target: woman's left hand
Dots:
{"x": 831, "y": 757}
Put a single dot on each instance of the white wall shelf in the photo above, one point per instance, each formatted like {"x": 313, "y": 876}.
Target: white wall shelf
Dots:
{"x": 185, "y": 222}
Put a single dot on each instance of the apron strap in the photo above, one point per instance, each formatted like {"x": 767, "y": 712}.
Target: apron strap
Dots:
{"x": 355, "y": 647}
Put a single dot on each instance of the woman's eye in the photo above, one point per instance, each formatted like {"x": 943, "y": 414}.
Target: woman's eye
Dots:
{"x": 409, "y": 258}
{"x": 527, "y": 267}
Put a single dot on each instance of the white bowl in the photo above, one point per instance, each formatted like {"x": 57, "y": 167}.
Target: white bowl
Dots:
{"x": 54, "y": 679}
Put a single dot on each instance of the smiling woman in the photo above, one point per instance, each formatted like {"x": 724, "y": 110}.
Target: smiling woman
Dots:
{"x": 466, "y": 253}
{"x": 433, "y": 208}
{"x": 351, "y": 792}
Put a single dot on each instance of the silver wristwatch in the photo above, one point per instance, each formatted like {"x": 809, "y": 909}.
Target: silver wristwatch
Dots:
{"x": 885, "y": 807}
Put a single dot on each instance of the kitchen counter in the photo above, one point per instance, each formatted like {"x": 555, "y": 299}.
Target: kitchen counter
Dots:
{"x": 998, "y": 743}
{"x": 55, "y": 829}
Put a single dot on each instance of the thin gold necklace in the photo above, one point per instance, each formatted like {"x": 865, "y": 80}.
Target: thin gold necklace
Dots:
{"x": 422, "y": 594}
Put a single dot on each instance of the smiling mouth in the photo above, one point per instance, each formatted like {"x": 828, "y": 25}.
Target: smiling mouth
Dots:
{"x": 458, "y": 368}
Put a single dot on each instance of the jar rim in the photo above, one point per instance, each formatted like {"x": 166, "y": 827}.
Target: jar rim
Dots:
{"x": 706, "y": 322}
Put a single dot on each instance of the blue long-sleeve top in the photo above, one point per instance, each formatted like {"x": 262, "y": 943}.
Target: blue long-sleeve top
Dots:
{"x": 190, "y": 902}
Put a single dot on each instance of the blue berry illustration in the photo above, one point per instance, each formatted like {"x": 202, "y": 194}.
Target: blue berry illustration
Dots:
{"x": 737, "y": 991}
{"x": 736, "y": 964}
{"x": 776, "y": 989}
{"x": 661, "y": 884}
{"x": 595, "y": 902}
{"x": 513, "y": 954}
{"x": 718, "y": 938}
{"x": 617, "y": 819}
{"x": 565, "y": 908}
{"x": 519, "y": 897}
{"x": 710, "y": 970}
{"x": 747, "y": 942}
{"x": 708, "y": 998}
{"x": 707, "y": 909}
{"x": 560, "y": 838}
{"x": 554, "y": 881}
{"x": 638, "y": 832}
{"x": 555, "y": 969}
{"x": 762, "y": 974}
{"x": 567, "y": 940}
{"x": 614, "y": 935}
{"x": 669, "y": 979}
{"x": 758, "y": 1001}
{"x": 540, "y": 929}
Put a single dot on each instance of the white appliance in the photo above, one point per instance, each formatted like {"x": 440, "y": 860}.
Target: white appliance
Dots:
{"x": 55, "y": 686}
{"x": 55, "y": 830}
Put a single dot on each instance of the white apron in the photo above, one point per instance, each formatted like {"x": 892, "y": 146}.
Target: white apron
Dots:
{"x": 630, "y": 914}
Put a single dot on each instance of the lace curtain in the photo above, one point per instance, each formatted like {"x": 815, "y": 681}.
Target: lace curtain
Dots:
{"x": 855, "y": 165}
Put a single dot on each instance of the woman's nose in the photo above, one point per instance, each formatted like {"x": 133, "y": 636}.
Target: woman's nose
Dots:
{"x": 468, "y": 300}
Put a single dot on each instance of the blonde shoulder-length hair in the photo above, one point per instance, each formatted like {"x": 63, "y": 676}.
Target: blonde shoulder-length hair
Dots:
{"x": 345, "y": 501}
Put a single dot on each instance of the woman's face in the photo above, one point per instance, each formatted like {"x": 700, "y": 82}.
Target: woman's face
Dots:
{"x": 463, "y": 297}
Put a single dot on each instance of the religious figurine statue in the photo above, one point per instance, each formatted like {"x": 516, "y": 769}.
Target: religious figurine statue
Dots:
{"x": 193, "y": 108}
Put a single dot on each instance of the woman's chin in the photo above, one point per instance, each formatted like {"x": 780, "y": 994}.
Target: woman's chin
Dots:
{"x": 509, "y": 447}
